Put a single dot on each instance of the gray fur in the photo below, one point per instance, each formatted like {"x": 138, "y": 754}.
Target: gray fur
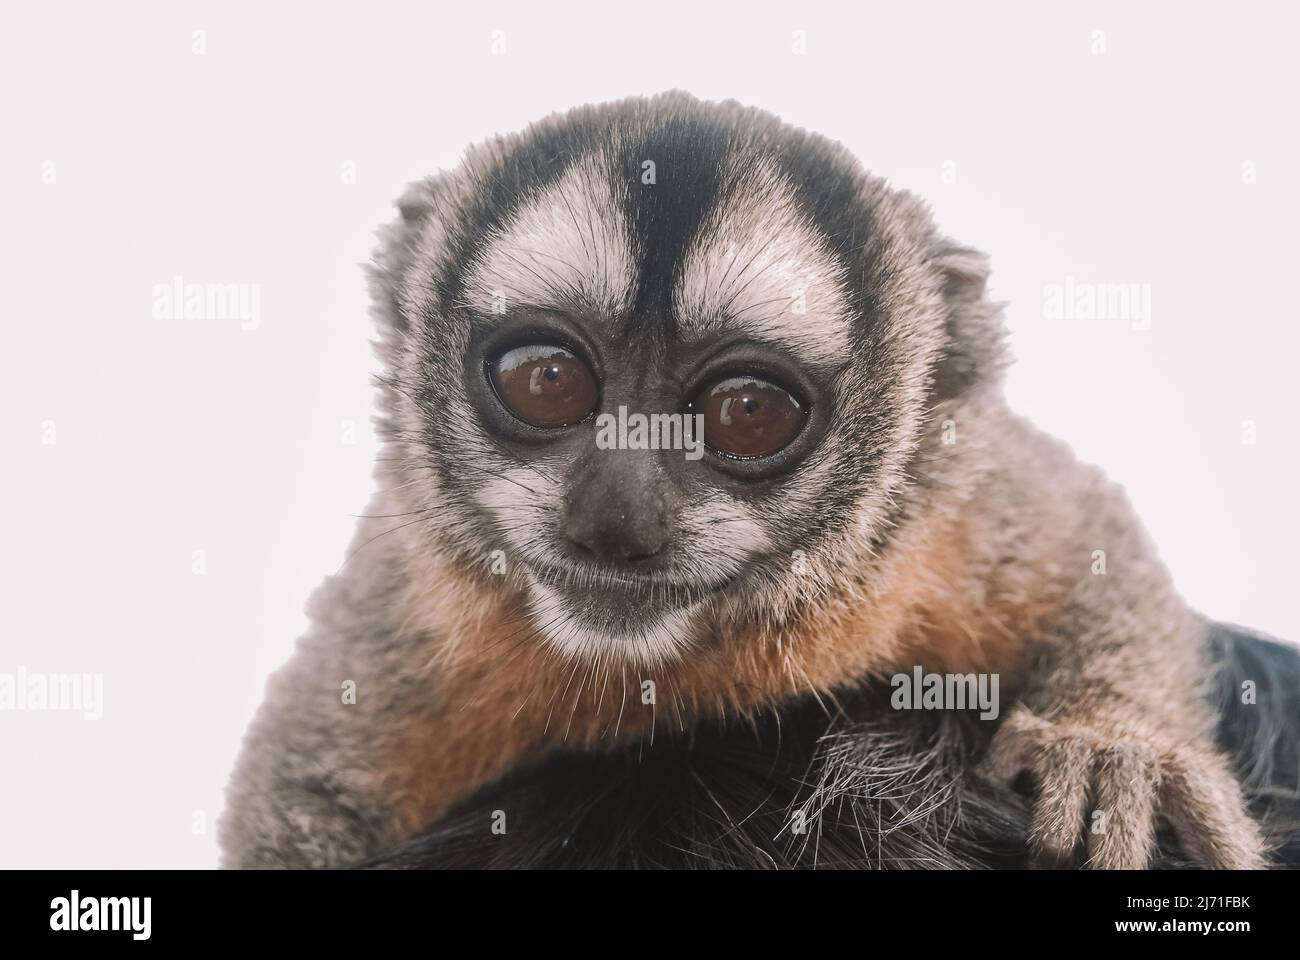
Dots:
{"x": 457, "y": 687}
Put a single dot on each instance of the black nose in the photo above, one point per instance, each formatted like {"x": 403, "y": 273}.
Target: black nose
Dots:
{"x": 617, "y": 511}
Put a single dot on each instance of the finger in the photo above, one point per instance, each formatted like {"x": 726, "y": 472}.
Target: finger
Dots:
{"x": 1013, "y": 746}
{"x": 1063, "y": 769}
{"x": 1203, "y": 802}
{"x": 1121, "y": 825}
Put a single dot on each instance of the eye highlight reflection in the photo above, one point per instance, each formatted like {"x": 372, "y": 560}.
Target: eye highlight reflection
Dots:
{"x": 748, "y": 417}
{"x": 544, "y": 385}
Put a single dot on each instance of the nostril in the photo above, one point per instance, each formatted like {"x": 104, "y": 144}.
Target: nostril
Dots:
{"x": 617, "y": 548}
{"x": 617, "y": 530}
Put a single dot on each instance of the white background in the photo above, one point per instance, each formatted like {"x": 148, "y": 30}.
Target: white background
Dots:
{"x": 178, "y": 436}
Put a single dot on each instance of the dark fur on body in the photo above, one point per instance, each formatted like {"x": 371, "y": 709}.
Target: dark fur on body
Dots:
{"x": 893, "y": 789}
{"x": 973, "y": 555}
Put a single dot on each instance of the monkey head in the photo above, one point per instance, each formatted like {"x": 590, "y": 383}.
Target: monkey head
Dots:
{"x": 665, "y": 363}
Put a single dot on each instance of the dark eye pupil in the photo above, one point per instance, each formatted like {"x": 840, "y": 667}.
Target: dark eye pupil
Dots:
{"x": 747, "y": 417}
{"x": 544, "y": 385}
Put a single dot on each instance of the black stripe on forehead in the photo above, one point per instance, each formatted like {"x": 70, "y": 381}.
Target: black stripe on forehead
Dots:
{"x": 690, "y": 143}
{"x": 688, "y": 149}
{"x": 828, "y": 189}
{"x": 695, "y": 145}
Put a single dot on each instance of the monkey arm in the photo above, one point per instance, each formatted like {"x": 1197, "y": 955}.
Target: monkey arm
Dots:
{"x": 304, "y": 792}
{"x": 1112, "y": 723}
{"x": 309, "y": 788}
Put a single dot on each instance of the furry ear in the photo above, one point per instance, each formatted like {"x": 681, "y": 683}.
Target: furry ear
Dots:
{"x": 417, "y": 201}
{"x": 975, "y": 351}
{"x": 420, "y": 207}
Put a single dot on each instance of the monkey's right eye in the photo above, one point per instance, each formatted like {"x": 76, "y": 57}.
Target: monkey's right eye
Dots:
{"x": 544, "y": 385}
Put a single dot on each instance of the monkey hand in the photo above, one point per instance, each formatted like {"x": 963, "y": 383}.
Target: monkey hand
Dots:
{"x": 1103, "y": 785}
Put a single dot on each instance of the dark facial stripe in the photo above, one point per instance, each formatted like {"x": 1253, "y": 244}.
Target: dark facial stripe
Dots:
{"x": 534, "y": 161}
{"x": 828, "y": 187}
{"x": 688, "y": 151}
{"x": 689, "y": 143}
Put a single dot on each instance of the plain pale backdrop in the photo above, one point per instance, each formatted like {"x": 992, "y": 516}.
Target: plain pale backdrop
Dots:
{"x": 1155, "y": 145}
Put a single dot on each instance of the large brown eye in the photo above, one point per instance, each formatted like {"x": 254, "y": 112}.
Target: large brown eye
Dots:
{"x": 747, "y": 417}
{"x": 544, "y": 385}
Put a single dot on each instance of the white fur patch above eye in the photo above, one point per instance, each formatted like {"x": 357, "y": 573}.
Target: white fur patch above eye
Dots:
{"x": 566, "y": 246}
{"x": 759, "y": 267}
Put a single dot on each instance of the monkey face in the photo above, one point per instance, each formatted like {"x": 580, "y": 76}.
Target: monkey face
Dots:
{"x": 659, "y": 366}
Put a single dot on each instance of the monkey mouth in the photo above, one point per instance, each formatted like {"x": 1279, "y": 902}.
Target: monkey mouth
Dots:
{"x": 611, "y": 617}
{"x": 621, "y": 592}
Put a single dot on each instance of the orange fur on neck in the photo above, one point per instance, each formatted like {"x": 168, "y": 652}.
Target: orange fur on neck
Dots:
{"x": 502, "y": 699}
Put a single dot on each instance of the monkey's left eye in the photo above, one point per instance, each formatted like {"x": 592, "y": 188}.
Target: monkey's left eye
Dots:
{"x": 747, "y": 417}
{"x": 544, "y": 385}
